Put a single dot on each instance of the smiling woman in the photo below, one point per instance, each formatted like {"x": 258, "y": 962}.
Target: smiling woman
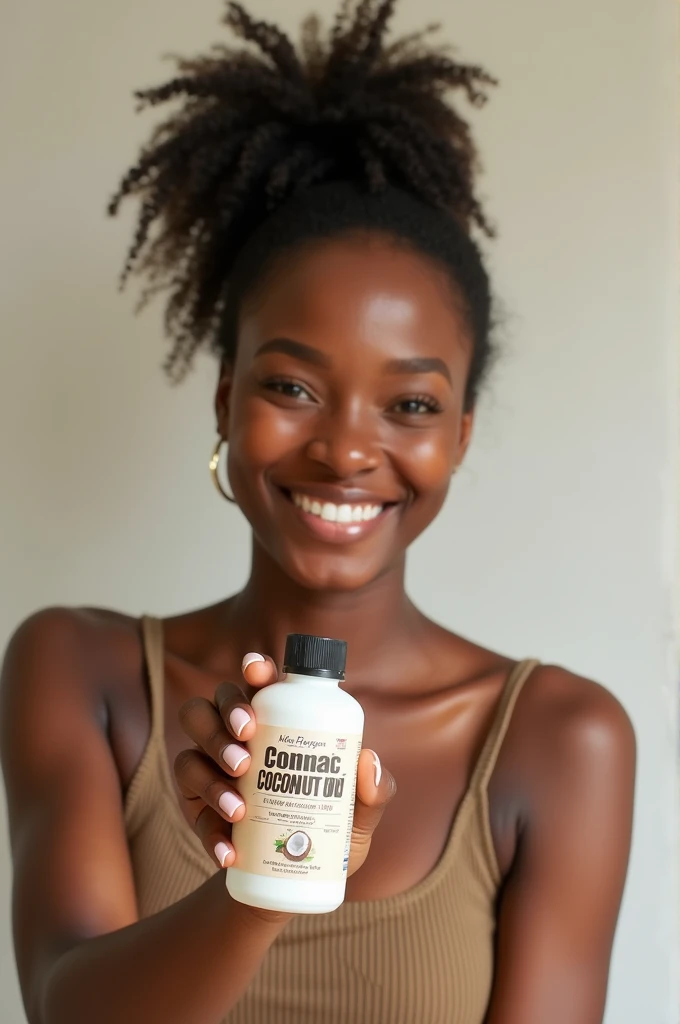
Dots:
{"x": 309, "y": 213}
{"x": 353, "y": 396}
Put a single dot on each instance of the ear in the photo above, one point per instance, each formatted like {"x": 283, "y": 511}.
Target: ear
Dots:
{"x": 465, "y": 435}
{"x": 223, "y": 400}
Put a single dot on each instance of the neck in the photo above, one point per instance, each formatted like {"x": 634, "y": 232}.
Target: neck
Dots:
{"x": 375, "y": 619}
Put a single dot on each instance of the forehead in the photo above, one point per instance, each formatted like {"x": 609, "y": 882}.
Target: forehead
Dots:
{"x": 362, "y": 289}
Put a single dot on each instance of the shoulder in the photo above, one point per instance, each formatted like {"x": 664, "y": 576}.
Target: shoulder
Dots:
{"x": 73, "y": 672}
{"x": 77, "y": 645}
{"x": 569, "y": 713}
{"x": 84, "y": 631}
{"x": 567, "y": 732}
{"x": 567, "y": 765}
{"x": 557, "y": 710}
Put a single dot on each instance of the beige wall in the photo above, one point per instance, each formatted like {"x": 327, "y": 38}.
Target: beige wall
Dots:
{"x": 560, "y": 527}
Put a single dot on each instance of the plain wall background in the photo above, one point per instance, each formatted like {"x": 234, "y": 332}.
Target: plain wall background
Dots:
{"x": 558, "y": 533}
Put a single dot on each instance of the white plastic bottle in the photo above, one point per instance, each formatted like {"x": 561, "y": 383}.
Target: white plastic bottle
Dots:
{"x": 292, "y": 845}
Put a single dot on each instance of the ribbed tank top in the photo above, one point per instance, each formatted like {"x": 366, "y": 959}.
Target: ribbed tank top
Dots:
{"x": 424, "y": 956}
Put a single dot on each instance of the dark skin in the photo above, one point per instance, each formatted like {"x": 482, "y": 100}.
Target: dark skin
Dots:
{"x": 347, "y": 412}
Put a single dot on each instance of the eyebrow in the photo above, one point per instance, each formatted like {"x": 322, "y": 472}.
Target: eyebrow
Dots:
{"x": 297, "y": 350}
{"x": 308, "y": 354}
{"x": 419, "y": 365}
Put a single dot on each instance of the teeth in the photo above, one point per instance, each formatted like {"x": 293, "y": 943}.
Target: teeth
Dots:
{"x": 337, "y": 513}
{"x": 329, "y": 512}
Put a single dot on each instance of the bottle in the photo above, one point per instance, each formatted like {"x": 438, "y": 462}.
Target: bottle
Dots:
{"x": 292, "y": 845}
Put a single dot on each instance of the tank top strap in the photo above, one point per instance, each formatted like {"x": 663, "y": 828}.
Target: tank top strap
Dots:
{"x": 494, "y": 741}
{"x": 151, "y": 804}
{"x": 149, "y": 779}
{"x": 152, "y": 639}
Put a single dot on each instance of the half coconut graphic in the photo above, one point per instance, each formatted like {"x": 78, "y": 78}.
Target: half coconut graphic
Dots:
{"x": 297, "y": 846}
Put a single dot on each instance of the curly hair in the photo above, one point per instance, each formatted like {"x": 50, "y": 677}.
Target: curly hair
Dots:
{"x": 266, "y": 141}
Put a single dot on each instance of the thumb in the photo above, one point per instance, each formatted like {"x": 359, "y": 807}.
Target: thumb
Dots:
{"x": 259, "y": 671}
{"x": 375, "y": 789}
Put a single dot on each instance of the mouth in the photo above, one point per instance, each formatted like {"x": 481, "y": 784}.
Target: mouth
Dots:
{"x": 337, "y": 522}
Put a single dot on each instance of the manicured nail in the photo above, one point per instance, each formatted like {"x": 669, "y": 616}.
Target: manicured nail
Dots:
{"x": 233, "y": 756}
{"x": 249, "y": 659}
{"x": 238, "y": 720}
{"x": 230, "y": 803}
{"x": 222, "y": 851}
{"x": 378, "y": 768}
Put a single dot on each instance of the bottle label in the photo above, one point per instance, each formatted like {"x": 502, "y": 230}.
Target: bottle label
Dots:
{"x": 299, "y": 793}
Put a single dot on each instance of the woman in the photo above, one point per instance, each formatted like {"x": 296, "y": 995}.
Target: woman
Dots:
{"x": 310, "y": 216}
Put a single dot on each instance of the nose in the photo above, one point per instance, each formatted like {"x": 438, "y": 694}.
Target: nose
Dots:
{"x": 345, "y": 442}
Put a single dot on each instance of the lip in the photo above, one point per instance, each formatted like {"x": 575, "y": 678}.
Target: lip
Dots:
{"x": 336, "y": 533}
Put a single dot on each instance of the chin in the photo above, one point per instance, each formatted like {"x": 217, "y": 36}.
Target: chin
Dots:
{"x": 331, "y": 574}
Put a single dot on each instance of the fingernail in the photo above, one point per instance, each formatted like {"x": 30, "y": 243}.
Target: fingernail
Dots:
{"x": 222, "y": 851}
{"x": 238, "y": 720}
{"x": 249, "y": 659}
{"x": 378, "y": 768}
{"x": 230, "y": 803}
{"x": 233, "y": 755}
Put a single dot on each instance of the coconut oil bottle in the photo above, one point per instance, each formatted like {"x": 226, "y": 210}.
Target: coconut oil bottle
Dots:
{"x": 292, "y": 845}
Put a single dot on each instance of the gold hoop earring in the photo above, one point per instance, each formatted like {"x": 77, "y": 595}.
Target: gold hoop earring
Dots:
{"x": 214, "y": 471}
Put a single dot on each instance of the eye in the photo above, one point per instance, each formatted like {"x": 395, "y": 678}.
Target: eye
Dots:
{"x": 288, "y": 388}
{"x": 417, "y": 405}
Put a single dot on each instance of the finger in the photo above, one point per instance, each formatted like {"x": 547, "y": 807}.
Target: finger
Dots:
{"x": 215, "y": 836}
{"x": 204, "y": 725}
{"x": 258, "y": 670}
{"x": 375, "y": 789}
{"x": 235, "y": 710}
{"x": 375, "y": 784}
{"x": 232, "y": 702}
{"x": 197, "y": 777}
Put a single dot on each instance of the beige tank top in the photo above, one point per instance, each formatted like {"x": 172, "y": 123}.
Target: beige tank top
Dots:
{"x": 422, "y": 957}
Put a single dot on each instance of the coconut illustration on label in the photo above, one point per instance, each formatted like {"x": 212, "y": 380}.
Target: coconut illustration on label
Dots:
{"x": 297, "y": 846}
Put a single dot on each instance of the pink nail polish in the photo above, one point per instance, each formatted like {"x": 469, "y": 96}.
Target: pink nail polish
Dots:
{"x": 378, "y": 768}
{"x": 250, "y": 658}
{"x": 233, "y": 756}
{"x": 222, "y": 851}
{"x": 230, "y": 803}
{"x": 238, "y": 720}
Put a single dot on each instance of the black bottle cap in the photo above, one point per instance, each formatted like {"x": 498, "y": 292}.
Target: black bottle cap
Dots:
{"x": 315, "y": 656}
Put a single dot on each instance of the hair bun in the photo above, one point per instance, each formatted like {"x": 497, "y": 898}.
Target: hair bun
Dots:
{"x": 262, "y": 123}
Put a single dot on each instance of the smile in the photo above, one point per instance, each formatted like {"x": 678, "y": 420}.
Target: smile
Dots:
{"x": 337, "y": 522}
{"x": 332, "y": 513}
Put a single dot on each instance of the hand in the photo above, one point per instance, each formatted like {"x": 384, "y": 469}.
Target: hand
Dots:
{"x": 221, "y": 731}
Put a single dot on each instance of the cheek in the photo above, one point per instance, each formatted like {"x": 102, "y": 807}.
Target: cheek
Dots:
{"x": 259, "y": 436}
{"x": 428, "y": 463}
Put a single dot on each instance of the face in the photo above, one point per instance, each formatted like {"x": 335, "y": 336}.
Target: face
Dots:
{"x": 344, "y": 410}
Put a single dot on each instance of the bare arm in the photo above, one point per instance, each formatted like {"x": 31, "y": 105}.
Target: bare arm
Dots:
{"x": 81, "y": 952}
{"x": 193, "y": 961}
{"x": 561, "y": 901}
